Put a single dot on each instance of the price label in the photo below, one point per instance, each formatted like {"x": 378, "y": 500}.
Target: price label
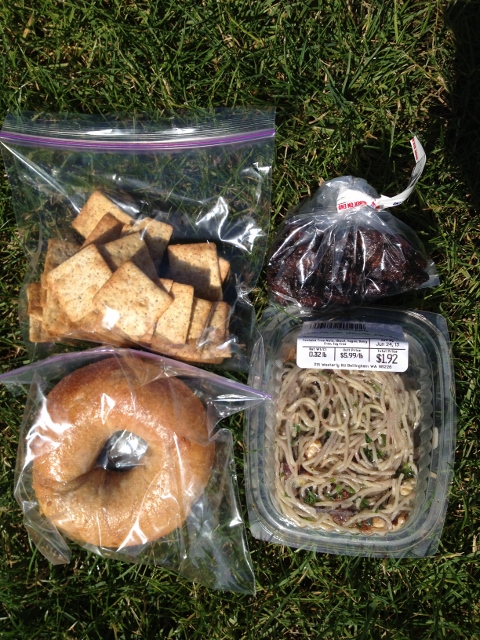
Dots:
{"x": 352, "y": 345}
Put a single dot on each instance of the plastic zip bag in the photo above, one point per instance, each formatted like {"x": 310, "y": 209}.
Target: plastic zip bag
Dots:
{"x": 343, "y": 247}
{"x": 142, "y": 233}
{"x": 119, "y": 451}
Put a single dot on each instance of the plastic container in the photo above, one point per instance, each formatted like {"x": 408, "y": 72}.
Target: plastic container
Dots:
{"x": 430, "y": 368}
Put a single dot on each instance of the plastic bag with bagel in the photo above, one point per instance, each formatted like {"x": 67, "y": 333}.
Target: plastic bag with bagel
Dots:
{"x": 119, "y": 452}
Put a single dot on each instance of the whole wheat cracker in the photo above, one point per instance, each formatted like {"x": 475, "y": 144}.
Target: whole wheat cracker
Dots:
{"x": 196, "y": 264}
{"x": 166, "y": 284}
{"x": 90, "y": 328}
{"x": 36, "y": 332}
{"x": 201, "y": 310}
{"x": 216, "y": 336}
{"x": 156, "y": 235}
{"x": 89, "y": 324}
{"x": 58, "y": 251}
{"x": 43, "y": 282}
{"x": 93, "y": 211}
{"x": 224, "y": 267}
{"x": 218, "y": 322}
{"x": 131, "y": 314}
{"x": 198, "y": 321}
{"x": 108, "y": 228}
{"x": 190, "y": 353}
{"x": 76, "y": 281}
{"x": 55, "y": 321}
{"x": 208, "y": 321}
{"x": 34, "y": 297}
{"x": 129, "y": 248}
{"x": 172, "y": 326}
{"x": 214, "y": 351}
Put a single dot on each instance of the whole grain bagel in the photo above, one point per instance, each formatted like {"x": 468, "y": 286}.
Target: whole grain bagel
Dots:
{"x": 111, "y": 508}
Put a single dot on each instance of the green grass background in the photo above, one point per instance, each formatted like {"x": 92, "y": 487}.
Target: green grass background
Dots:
{"x": 351, "y": 82}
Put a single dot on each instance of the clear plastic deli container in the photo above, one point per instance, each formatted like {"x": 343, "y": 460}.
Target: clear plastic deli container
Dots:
{"x": 387, "y": 495}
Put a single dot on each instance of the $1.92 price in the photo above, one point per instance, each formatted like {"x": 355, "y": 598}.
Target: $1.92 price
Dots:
{"x": 387, "y": 358}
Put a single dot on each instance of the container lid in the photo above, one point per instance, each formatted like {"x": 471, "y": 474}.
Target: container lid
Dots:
{"x": 427, "y": 376}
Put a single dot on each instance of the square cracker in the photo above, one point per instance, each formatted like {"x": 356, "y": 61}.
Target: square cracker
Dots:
{"x": 129, "y": 248}
{"x": 93, "y": 211}
{"x": 77, "y": 280}
{"x": 172, "y": 326}
{"x": 224, "y": 267}
{"x": 163, "y": 283}
{"x": 36, "y": 332}
{"x": 217, "y": 329}
{"x": 34, "y": 297}
{"x": 217, "y": 337}
{"x": 196, "y": 264}
{"x": 55, "y": 321}
{"x": 200, "y": 314}
{"x": 108, "y": 228}
{"x": 166, "y": 284}
{"x": 156, "y": 235}
{"x": 130, "y": 301}
{"x": 58, "y": 251}
{"x": 215, "y": 317}
{"x": 190, "y": 353}
{"x": 90, "y": 328}
{"x": 43, "y": 282}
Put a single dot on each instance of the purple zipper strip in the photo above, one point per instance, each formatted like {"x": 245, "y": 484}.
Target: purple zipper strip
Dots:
{"x": 134, "y": 145}
{"x": 178, "y": 366}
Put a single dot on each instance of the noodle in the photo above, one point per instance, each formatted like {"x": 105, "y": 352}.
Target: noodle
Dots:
{"x": 344, "y": 455}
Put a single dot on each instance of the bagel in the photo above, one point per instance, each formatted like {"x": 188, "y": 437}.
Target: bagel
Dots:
{"x": 107, "y": 507}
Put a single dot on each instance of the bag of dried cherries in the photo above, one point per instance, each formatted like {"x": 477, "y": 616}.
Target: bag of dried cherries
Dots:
{"x": 343, "y": 247}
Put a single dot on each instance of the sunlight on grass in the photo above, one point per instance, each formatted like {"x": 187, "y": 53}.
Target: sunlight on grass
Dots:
{"x": 351, "y": 82}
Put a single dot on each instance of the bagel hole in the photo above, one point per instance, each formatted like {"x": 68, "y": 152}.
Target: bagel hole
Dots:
{"x": 123, "y": 451}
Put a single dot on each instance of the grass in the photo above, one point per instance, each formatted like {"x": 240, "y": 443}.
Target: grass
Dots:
{"x": 351, "y": 81}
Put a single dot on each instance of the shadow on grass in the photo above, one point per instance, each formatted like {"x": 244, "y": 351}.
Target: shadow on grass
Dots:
{"x": 463, "y": 133}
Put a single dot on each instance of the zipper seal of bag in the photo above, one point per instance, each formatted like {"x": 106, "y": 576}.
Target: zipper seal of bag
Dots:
{"x": 199, "y": 141}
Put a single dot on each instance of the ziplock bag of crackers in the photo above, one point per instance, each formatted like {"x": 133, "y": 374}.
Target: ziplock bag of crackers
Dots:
{"x": 119, "y": 451}
{"x": 343, "y": 247}
{"x": 140, "y": 232}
